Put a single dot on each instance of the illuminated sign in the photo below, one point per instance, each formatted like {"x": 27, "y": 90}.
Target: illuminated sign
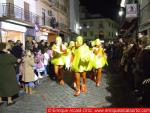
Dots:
{"x": 131, "y": 11}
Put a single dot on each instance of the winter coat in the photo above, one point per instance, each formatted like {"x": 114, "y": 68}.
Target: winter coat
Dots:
{"x": 28, "y": 73}
{"x": 8, "y": 83}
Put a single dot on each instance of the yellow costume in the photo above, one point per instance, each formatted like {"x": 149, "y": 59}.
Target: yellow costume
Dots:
{"x": 92, "y": 56}
{"x": 100, "y": 59}
{"x": 81, "y": 56}
{"x": 58, "y": 49}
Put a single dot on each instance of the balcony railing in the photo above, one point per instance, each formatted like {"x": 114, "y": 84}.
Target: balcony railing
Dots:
{"x": 49, "y": 21}
{"x": 62, "y": 26}
{"x": 58, "y": 5}
{"x": 12, "y": 11}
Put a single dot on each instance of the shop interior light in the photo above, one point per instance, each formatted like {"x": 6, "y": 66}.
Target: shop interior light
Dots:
{"x": 88, "y": 27}
{"x": 116, "y": 33}
{"x": 80, "y": 27}
{"x": 121, "y": 12}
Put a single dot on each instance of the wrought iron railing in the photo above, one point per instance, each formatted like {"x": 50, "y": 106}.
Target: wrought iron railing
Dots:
{"x": 58, "y": 5}
{"x": 62, "y": 26}
{"x": 12, "y": 11}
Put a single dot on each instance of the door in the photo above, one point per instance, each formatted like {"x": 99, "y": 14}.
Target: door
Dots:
{"x": 26, "y": 12}
{"x": 9, "y": 8}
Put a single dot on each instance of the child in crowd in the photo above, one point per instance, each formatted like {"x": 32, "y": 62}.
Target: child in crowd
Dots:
{"x": 39, "y": 60}
{"x": 46, "y": 61}
{"x": 28, "y": 73}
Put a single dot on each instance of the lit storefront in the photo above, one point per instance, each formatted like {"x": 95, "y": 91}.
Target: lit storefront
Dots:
{"x": 42, "y": 34}
{"x": 12, "y": 32}
{"x": 47, "y": 34}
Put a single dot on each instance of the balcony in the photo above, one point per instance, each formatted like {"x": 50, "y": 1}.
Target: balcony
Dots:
{"x": 56, "y": 5}
{"x": 49, "y": 23}
{"x": 63, "y": 27}
{"x": 13, "y": 13}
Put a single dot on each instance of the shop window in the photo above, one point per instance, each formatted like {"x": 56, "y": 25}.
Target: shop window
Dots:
{"x": 91, "y": 24}
{"x": 84, "y": 24}
{"x": 109, "y": 33}
{"x": 91, "y": 33}
{"x": 101, "y": 25}
{"x": 84, "y": 33}
{"x": 26, "y": 11}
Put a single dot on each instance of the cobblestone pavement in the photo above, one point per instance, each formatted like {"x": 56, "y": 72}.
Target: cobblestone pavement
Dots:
{"x": 114, "y": 92}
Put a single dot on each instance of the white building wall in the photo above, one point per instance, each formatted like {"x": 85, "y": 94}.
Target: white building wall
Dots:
{"x": 32, "y": 4}
{"x": 108, "y": 26}
{"x": 39, "y": 6}
{"x": 19, "y": 3}
{"x": 74, "y": 16}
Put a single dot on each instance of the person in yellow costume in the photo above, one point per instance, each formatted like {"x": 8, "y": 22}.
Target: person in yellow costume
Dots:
{"x": 79, "y": 64}
{"x": 71, "y": 48}
{"x": 92, "y": 60}
{"x": 58, "y": 50}
{"x": 66, "y": 56}
{"x": 99, "y": 61}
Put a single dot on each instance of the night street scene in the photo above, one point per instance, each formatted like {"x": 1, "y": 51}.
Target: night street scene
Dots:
{"x": 74, "y": 54}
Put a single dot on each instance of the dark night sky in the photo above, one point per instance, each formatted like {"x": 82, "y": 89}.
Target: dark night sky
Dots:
{"x": 107, "y": 8}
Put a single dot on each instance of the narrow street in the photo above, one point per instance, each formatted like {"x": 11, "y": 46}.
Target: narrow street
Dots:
{"x": 114, "y": 92}
{"x": 43, "y": 38}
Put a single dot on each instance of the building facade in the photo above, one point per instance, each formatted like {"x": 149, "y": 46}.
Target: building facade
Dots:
{"x": 131, "y": 27}
{"x": 144, "y": 17}
{"x": 16, "y": 20}
{"x": 53, "y": 19}
{"x": 74, "y": 18}
{"x": 34, "y": 19}
{"x": 104, "y": 29}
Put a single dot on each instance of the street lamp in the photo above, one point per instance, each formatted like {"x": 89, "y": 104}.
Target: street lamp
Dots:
{"x": 80, "y": 27}
{"x": 88, "y": 27}
{"x": 121, "y": 12}
{"x": 116, "y": 33}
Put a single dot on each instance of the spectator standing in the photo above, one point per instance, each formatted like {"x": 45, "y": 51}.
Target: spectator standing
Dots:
{"x": 8, "y": 83}
{"x": 28, "y": 73}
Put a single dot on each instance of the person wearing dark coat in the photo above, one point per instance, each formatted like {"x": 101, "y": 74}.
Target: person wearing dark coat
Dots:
{"x": 8, "y": 83}
{"x": 42, "y": 46}
{"x": 17, "y": 51}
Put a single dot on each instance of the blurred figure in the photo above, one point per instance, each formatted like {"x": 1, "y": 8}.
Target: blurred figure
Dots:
{"x": 28, "y": 73}
{"x": 100, "y": 61}
{"x": 58, "y": 61}
{"x": 46, "y": 60}
{"x": 39, "y": 60}
{"x": 8, "y": 83}
{"x": 79, "y": 65}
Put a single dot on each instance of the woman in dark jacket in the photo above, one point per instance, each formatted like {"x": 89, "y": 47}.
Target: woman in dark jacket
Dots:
{"x": 8, "y": 83}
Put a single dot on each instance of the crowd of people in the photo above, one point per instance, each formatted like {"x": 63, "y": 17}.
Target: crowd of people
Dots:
{"x": 133, "y": 59}
{"x": 24, "y": 66}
